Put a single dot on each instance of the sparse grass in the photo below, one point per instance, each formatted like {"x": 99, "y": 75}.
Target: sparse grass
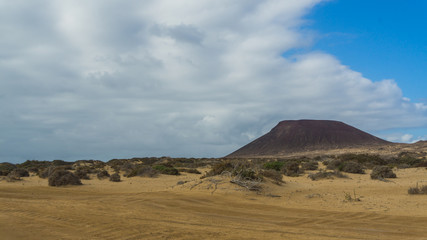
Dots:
{"x": 349, "y": 198}
{"x": 417, "y": 190}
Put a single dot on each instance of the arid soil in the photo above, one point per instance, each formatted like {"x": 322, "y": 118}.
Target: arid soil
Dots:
{"x": 213, "y": 208}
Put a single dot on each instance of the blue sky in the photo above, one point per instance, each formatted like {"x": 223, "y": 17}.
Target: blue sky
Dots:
{"x": 380, "y": 39}
{"x": 107, "y": 79}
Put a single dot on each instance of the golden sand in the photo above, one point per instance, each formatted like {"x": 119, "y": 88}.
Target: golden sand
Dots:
{"x": 213, "y": 208}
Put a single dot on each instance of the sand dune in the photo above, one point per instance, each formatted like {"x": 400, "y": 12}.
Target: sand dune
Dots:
{"x": 213, "y": 208}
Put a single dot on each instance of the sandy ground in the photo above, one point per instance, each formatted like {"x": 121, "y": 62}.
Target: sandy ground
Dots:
{"x": 213, "y": 208}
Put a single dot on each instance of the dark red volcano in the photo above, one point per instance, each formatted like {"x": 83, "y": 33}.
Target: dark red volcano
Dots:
{"x": 305, "y": 135}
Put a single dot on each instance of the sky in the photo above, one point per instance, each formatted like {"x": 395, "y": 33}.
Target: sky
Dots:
{"x": 106, "y": 79}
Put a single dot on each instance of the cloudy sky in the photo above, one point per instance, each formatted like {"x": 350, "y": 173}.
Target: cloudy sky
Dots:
{"x": 107, "y": 79}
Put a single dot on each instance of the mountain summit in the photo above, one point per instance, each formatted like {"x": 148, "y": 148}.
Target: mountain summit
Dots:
{"x": 304, "y": 135}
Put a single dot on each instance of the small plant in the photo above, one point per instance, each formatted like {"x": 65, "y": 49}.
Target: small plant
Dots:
{"x": 349, "y": 198}
{"x": 418, "y": 190}
{"x": 382, "y": 172}
{"x": 63, "y": 177}
{"x": 115, "y": 177}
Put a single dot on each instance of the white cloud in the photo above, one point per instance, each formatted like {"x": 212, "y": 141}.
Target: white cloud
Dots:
{"x": 104, "y": 79}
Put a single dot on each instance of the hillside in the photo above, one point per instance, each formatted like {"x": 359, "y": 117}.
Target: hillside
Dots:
{"x": 308, "y": 135}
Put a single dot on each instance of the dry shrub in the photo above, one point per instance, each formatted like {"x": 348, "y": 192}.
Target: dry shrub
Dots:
{"x": 382, "y": 172}
{"x": 418, "y": 190}
{"x": 143, "y": 171}
{"x": 326, "y": 175}
{"x": 62, "y": 178}
{"x": 115, "y": 177}
{"x": 219, "y": 168}
{"x": 292, "y": 169}
{"x": 273, "y": 175}
{"x": 13, "y": 177}
{"x": 82, "y": 173}
{"x": 310, "y": 165}
{"x": 45, "y": 173}
{"x": 349, "y": 167}
{"x": 189, "y": 170}
{"x": 20, "y": 172}
{"x": 166, "y": 169}
{"x": 6, "y": 168}
{"x": 103, "y": 174}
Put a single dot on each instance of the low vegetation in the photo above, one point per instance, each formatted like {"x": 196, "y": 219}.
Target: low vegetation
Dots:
{"x": 292, "y": 169}
{"x": 382, "y": 172}
{"x": 103, "y": 175}
{"x": 326, "y": 175}
{"x": 418, "y": 190}
{"x": 115, "y": 177}
{"x": 62, "y": 178}
{"x": 346, "y": 166}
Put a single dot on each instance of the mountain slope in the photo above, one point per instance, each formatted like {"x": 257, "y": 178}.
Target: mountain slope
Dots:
{"x": 305, "y": 135}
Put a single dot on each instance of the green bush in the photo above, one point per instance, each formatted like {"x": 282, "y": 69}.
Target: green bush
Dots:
{"x": 168, "y": 170}
{"x": 276, "y": 165}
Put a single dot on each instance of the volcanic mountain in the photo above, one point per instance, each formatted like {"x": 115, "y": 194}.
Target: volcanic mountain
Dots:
{"x": 307, "y": 135}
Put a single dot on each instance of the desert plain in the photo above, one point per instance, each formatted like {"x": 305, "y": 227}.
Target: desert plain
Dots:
{"x": 188, "y": 207}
